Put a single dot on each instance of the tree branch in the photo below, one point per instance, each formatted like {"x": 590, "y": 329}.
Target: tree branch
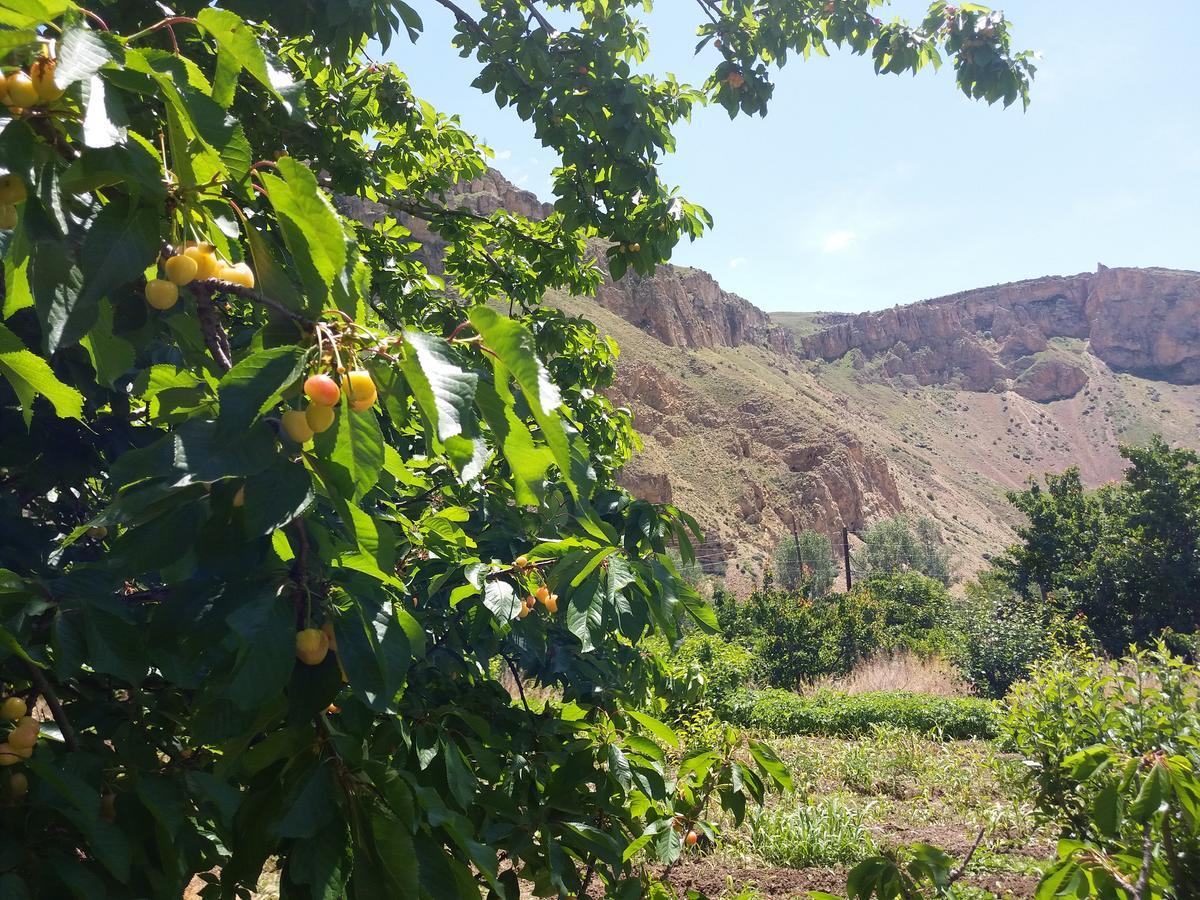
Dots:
{"x": 512, "y": 667}
{"x": 537, "y": 14}
{"x": 226, "y": 287}
{"x": 211, "y": 328}
{"x": 56, "y": 710}
{"x": 470, "y": 24}
{"x": 1143, "y": 882}
{"x": 962, "y": 869}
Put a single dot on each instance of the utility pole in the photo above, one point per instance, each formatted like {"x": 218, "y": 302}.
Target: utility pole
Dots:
{"x": 846, "y": 556}
{"x": 796, "y": 540}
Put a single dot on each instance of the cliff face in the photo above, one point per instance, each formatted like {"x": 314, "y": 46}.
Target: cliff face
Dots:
{"x": 1142, "y": 321}
{"x": 687, "y": 308}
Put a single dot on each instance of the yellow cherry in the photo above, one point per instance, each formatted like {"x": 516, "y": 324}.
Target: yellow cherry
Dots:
{"x": 205, "y": 257}
{"x": 13, "y": 708}
{"x": 239, "y": 273}
{"x": 161, "y": 294}
{"x": 42, "y": 75}
{"x": 295, "y": 425}
{"x": 319, "y": 417}
{"x": 361, "y": 390}
{"x": 312, "y": 646}
{"x": 181, "y": 269}
{"x": 18, "y": 785}
{"x": 21, "y": 90}
{"x": 8, "y": 216}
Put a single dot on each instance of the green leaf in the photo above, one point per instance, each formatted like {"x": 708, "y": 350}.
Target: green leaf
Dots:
{"x": 394, "y": 849}
{"x": 443, "y": 389}
{"x": 105, "y": 120}
{"x": 275, "y": 497}
{"x": 462, "y": 781}
{"x": 15, "y": 40}
{"x": 314, "y": 807}
{"x": 111, "y": 356}
{"x": 133, "y": 166}
{"x": 1153, "y": 793}
{"x": 655, "y": 727}
{"x": 374, "y": 649}
{"x": 771, "y": 765}
{"x": 265, "y": 626}
{"x": 123, "y": 240}
{"x": 354, "y": 448}
{"x": 311, "y": 229}
{"x": 255, "y": 384}
{"x": 500, "y": 597}
{"x": 81, "y": 54}
{"x": 31, "y": 375}
{"x": 237, "y": 42}
{"x": 26, "y": 13}
{"x": 515, "y": 347}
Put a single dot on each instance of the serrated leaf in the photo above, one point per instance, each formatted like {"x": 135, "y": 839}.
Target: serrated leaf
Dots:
{"x": 122, "y": 241}
{"x": 443, "y": 389}
{"x": 374, "y": 649}
{"x": 239, "y": 43}
{"x": 81, "y": 54}
{"x": 311, "y": 229}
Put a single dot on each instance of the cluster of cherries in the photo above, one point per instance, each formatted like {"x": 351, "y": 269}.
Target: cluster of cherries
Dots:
{"x": 32, "y": 86}
{"x": 20, "y": 742}
{"x": 198, "y": 261}
{"x": 542, "y": 595}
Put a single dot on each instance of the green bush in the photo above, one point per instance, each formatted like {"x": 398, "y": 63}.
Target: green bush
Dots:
{"x": 795, "y": 639}
{"x": 845, "y": 715}
{"x": 1112, "y": 753}
{"x": 1001, "y": 634}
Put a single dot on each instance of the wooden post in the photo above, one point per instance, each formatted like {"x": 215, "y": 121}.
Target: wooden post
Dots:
{"x": 796, "y": 541}
{"x": 846, "y": 556}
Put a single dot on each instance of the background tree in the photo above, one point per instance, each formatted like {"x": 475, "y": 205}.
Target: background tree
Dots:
{"x": 805, "y": 562}
{"x": 275, "y": 497}
{"x": 896, "y": 545}
{"x": 1126, "y": 557}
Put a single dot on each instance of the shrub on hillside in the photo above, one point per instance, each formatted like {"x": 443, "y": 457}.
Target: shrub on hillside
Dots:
{"x": 833, "y": 714}
{"x": 1112, "y": 755}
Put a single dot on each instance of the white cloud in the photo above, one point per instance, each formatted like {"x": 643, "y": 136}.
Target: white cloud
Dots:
{"x": 837, "y": 241}
{"x": 503, "y": 154}
{"x": 737, "y": 262}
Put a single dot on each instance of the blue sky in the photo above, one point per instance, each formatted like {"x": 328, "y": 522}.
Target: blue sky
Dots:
{"x": 859, "y": 192}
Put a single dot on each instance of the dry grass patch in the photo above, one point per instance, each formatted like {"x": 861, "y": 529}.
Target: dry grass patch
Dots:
{"x": 902, "y": 671}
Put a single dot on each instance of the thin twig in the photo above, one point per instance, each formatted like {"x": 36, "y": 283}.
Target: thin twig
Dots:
{"x": 512, "y": 667}
{"x": 962, "y": 869}
{"x": 227, "y": 287}
{"x": 56, "y": 710}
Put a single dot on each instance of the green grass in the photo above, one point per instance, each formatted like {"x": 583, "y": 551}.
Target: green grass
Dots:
{"x": 824, "y": 833}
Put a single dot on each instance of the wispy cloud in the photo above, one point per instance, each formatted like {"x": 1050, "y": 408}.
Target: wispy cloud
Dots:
{"x": 503, "y": 154}
{"x": 737, "y": 262}
{"x": 837, "y": 241}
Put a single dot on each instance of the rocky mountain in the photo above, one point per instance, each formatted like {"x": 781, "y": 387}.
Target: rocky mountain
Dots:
{"x": 759, "y": 423}
{"x": 1142, "y": 321}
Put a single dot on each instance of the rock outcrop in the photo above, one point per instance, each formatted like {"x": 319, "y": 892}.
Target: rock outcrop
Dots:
{"x": 1142, "y": 321}
{"x": 687, "y": 308}
{"x": 680, "y": 306}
